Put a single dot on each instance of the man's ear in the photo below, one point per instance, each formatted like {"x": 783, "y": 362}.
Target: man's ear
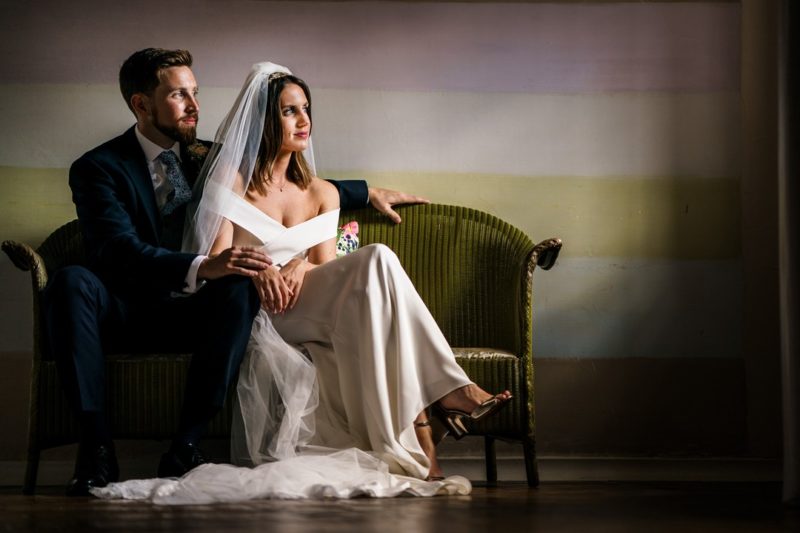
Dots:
{"x": 141, "y": 104}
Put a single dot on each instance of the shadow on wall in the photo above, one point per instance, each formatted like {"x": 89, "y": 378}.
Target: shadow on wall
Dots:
{"x": 641, "y": 355}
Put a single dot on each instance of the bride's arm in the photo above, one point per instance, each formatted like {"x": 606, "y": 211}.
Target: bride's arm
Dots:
{"x": 224, "y": 259}
{"x": 272, "y": 289}
{"x": 224, "y": 238}
{"x": 327, "y": 198}
{"x": 322, "y": 253}
{"x": 295, "y": 270}
{"x": 328, "y": 201}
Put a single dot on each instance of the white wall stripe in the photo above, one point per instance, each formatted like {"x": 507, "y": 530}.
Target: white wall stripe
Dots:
{"x": 623, "y": 307}
{"x": 625, "y": 134}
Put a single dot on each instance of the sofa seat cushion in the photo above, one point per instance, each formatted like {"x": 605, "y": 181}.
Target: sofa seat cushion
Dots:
{"x": 494, "y": 370}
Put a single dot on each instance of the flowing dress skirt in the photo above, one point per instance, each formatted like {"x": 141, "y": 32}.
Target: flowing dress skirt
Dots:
{"x": 341, "y": 425}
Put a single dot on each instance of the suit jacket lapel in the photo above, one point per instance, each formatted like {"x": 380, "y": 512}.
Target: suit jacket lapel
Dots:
{"x": 133, "y": 160}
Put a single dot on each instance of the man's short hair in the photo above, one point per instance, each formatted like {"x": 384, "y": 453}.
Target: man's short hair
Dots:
{"x": 140, "y": 72}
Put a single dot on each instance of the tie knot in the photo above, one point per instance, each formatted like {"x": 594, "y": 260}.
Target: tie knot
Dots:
{"x": 168, "y": 157}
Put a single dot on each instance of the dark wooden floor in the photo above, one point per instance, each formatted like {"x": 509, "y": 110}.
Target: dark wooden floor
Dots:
{"x": 509, "y": 508}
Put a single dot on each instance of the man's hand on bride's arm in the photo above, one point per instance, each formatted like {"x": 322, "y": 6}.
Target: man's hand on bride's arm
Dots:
{"x": 240, "y": 260}
{"x": 273, "y": 290}
{"x": 385, "y": 199}
{"x": 293, "y": 274}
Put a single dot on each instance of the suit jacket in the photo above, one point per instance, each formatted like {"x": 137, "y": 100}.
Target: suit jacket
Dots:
{"x": 121, "y": 223}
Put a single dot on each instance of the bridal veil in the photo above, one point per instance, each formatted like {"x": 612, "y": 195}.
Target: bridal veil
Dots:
{"x": 277, "y": 394}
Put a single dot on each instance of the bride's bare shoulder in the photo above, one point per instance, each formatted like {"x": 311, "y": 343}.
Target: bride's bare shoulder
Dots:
{"x": 325, "y": 193}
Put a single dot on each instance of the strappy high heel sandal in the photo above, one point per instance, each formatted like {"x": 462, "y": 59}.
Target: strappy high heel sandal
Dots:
{"x": 452, "y": 418}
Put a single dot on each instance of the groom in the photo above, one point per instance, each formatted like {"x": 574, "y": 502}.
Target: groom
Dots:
{"x": 138, "y": 292}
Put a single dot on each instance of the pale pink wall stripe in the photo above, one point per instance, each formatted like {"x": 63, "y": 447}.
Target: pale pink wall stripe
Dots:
{"x": 391, "y": 46}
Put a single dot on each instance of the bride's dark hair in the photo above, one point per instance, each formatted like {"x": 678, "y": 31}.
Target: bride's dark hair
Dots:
{"x": 298, "y": 172}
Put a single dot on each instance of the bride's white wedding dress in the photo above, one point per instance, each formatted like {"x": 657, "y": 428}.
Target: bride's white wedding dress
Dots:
{"x": 330, "y": 414}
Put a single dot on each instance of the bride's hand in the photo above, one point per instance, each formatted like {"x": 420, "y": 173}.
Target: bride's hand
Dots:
{"x": 293, "y": 274}
{"x": 273, "y": 290}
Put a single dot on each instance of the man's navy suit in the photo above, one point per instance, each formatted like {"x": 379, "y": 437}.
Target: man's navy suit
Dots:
{"x": 123, "y": 300}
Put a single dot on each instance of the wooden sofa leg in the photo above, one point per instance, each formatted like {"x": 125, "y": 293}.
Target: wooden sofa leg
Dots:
{"x": 31, "y": 471}
{"x": 491, "y": 460}
{"x": 531, "y": 463}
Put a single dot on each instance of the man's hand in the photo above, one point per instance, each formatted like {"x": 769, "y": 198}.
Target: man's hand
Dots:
{"x": 240, "y": 260}
{"x": 384, "y": 199}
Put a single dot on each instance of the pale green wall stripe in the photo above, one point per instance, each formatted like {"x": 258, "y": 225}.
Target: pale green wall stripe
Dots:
{"x": 639, "y": 276}
{"x": 33, "y": 202}
{"x": 611, "y": 134}
{"x": 618, "y": 217}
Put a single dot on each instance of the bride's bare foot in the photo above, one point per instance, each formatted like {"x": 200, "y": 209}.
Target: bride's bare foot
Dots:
{"x": 469, "y": 397}
{"x": 424, "y": 431}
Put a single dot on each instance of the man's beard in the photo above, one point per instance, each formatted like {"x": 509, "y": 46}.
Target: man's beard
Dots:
{"x": 185, "y": 135}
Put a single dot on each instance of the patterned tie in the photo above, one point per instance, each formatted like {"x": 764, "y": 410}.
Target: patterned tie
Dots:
{"x": 181, "y": 193}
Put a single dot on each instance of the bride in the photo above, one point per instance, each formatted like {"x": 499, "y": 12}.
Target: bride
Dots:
{"x": 345, "y": 361}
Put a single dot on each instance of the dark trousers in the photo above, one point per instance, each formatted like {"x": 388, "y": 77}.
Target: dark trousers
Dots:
{"x": 84, "y": 321}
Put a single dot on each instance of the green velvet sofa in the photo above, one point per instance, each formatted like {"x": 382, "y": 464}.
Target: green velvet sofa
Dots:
{"x": 473, "y": 270}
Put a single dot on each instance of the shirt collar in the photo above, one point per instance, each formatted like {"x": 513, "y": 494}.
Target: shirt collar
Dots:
{"x": 152, "y": 150}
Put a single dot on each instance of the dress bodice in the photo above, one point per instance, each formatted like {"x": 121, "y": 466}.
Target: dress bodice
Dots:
{"x": 279, "y": 242}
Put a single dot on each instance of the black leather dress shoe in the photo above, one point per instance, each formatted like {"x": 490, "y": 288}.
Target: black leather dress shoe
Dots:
{"x": 96, "y": 467}
{"x": 180, "y": 459}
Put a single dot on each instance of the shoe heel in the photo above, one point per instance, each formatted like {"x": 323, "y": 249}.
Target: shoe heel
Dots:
{"x": 456, "y": 427}
{"x": 452, "y": 422}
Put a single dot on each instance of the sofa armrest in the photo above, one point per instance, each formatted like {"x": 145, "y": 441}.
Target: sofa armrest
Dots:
{"x": 546, "y": 252}
{"x": 25, "y": 258}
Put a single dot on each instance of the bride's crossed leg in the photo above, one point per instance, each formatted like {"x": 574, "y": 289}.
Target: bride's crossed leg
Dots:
{"x": 380, "y": 358}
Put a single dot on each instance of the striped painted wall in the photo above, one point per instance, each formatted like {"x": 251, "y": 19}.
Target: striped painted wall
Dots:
{"x": 614, "y": 126}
